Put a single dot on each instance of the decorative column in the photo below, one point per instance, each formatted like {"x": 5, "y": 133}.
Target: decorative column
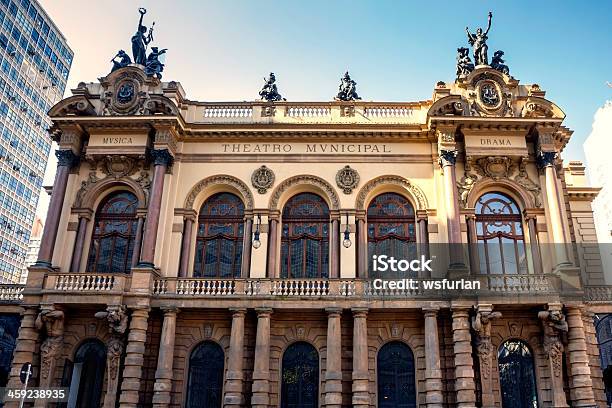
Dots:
{"x": 361, "y": 375}
{"x": 134, "y": 358}
{"x": 77, "y": 252}
{"x": 334, "y": 252}
{"x": 447, "y": 162}
{"x": 161, "y": 160}
{"x": 534, "y": 244}
{"x": 423, "y": 238}
{"x": 66, "y": 159}
{"x": 581, "y": 384}
{"x": 188, "y": 220}
{"x": 138, "y": 238}
{"x": 473, "y": 244}
{"x": 234, "y": 376}
{"x": 433, "y": 373}
{"x": 481, "y": 323}
{"x": 464, "y": 370}
{"x": 361, "y": 236}
{"x": 546, "y": 162}
{"x": 51, "y": 321}
{"x": 261, "y": 370}
{"x": 117, "y": 319}
{"x": 25, "y": 346}
{"x": 272, "y": 245}
{"x": 554, "y": 325}
{"x": 247, "y": 246}
{"x": 165, "y": 358}
{"x": 333, "y": 369}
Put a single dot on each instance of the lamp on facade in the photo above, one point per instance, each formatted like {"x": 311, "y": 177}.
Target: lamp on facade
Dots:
{"x": 347, "y": 234}
{"x": 256, "y": 241}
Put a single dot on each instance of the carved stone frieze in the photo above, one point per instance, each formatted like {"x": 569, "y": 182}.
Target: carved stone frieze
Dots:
{"x": 50, "y": 350}
{"x": 347, "y": 179}
{"x": 262, "y": 179}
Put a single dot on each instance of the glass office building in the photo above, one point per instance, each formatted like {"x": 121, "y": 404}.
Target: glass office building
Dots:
{"x": 34, "y": 65}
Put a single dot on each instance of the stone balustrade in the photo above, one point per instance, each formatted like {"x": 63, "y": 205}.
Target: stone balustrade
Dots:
{"x": 86, "y": 282}
{"x": 601, "y": 293}
{"x": 11, "y": 293}
{"x": 512, "y": 284}
{"x": 283, "y": 112}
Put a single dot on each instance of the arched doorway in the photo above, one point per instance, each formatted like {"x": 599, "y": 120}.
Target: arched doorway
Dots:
{"x": 396, "y": 376}
{"x": 88, "y": 374}
{"x": 300, "y": 377}
{"x": 517, "y": 375}
{"x": 205, "y": 383}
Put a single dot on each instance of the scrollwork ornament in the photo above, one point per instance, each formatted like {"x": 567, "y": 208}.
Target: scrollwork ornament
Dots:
{"x": 448, "y": 157}
{"x": 555, "y": 328}
{"x": 262, "y": 179}
{"x": 347, "y": 179}
{"x": 114, "y": 348}
{"x": 481, "y": 324}
{"x": 49, "y": 350}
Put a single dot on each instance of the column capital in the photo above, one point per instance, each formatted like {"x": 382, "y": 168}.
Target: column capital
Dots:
{"x": 430, "y": 311}
{"x": 170, "y": 310}
{"x": 161, "y": 157}
{"x": 361, "y": 312}
{"x": 545, "y": 159}
{"x": 333, "y": 311}
{"x": 263, "y": 311}
{"x": 239, "y": 311}
{"x": 447, "y": 157}
{"x": 66, "y": 158}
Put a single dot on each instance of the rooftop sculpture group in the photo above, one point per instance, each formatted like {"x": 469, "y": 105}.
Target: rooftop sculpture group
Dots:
{"x": 478, "y": 41}
{"x": 153, "y": 67}
{"x": 348, "y": 89}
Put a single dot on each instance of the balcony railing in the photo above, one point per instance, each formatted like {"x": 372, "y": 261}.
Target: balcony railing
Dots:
{"x": 11, "y": 293}
{"x": 519, "y": 283}
{"x": 86, "y": 282}
{"x": 309, "y": 112}
{"x": 602, "y": 293}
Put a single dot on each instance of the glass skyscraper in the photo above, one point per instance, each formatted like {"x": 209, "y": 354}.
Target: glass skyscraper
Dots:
{"x": 34, "y": 65}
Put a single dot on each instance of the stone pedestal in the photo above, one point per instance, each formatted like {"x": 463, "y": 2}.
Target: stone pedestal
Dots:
{"x": 134, "y": 358}
{"x": 464, "y": 368}
{"x": 433, "y": 373}
{"x": 261, "y": 370}
{"x": 333, "y": 372}
{"x": 360, "y": 388}
{"x": 165, "y": 358}
{"x": 581, "y": 385}
{"x": 234, "y": 376}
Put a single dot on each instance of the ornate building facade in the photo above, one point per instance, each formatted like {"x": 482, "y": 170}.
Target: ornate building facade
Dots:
{"x": 203, "y": 254}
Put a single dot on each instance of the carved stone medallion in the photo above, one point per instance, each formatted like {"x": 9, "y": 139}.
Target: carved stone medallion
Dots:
{"x": 497, "y": 167}
{"x": 262, "y": 179}
{"x": 347, "y": 179}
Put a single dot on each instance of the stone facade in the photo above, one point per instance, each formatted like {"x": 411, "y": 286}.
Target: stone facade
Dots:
{"x": 441, "y": 155}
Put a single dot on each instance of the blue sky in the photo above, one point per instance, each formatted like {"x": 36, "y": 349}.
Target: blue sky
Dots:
{"x": 395, "y": 50}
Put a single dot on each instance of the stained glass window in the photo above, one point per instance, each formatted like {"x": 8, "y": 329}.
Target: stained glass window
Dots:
{"x": 205, "y": 383}
{"x": 517, "y": 375}
{"x": 396, "y": 376}
{"x": 114, "y": 234}
{"x": 220, "y": 237}
{"x": 305, "y": 237}
{"x": 300, "y": 377}
{"x": 499, "y": 229}
{"x": 391, "y": 229}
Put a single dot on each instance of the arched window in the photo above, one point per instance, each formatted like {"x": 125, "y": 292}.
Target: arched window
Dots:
{"x": 300, "y": 378}
{"x": 499, "y": 230}
{"x": 88, "y": 373}
{"x": 220, "y": 234}
{"x": 114, "y": 234}
{"x": 517, "y": 375}
{"x": 305, "y": 237}
{"x": 396, "y": 376}
{"x": 205, "y": 383}
{"x": 391, "y": 229}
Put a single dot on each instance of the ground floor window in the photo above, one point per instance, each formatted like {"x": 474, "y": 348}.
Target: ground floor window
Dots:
{"x": 205, "y": 383}
{"x": 517, "y": 375}
{"x": 300, "y": 377}
{"x": 396, "y": 382}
